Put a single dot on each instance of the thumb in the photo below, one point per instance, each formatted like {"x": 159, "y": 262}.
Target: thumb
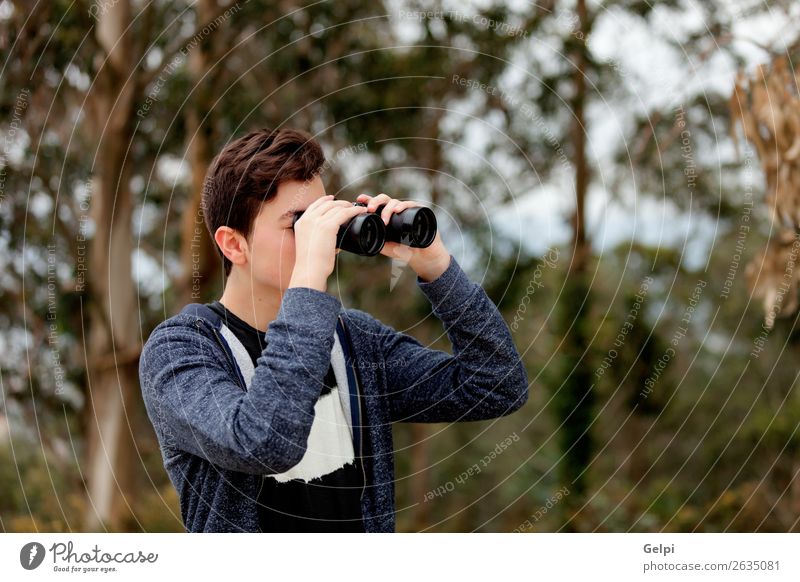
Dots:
{"x": 397, "y": 251}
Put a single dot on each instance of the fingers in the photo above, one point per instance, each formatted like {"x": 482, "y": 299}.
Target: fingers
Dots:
{"x": 327, "y": 208}
{"x": 314, "y": 208}
{"x": 390, "y": 205}
{"x": 311, "y": 208}
{"x": 395, "y": 207}
{"x": 324, "y": 204}
{"x": 397, "y": 251}
{"x": 340, "y": 215}
{"x": 389, "y": 209}
{"x": 374, "y": 201}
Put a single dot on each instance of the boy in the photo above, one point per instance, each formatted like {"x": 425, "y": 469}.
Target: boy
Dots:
{"x": 273, "y": 406}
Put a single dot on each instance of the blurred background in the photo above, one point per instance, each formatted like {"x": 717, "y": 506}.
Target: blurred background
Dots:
{"x": 621, "y": 177}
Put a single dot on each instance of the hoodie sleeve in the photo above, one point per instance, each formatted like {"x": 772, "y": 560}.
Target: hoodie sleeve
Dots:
{"x": 484, "y": 377}
{"x": 196, "y": 405}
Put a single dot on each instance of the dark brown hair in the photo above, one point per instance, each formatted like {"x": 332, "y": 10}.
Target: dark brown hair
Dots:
{"x": 247, "y": 173}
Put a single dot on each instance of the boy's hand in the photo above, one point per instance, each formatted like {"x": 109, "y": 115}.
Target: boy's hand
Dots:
{"x": 429, "y": 262}
{"x": 315, "y": 240}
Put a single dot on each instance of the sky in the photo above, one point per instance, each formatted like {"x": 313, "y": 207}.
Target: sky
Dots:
{"x": 657, "y": 76}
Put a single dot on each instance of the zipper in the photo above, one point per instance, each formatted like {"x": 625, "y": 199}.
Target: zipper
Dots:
{"x": 261, "y": 488}
{"x": 259, "y": 509}
{"x": 231, "y": 359}
{"x": 360, "y": 436}
{"x": 360, "y": 413}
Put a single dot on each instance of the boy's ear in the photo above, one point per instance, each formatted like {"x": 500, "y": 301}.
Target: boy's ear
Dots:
{"x": 232, "y": 244}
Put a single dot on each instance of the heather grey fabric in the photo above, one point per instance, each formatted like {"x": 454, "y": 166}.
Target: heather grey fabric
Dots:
{"x": 217, "y": 438}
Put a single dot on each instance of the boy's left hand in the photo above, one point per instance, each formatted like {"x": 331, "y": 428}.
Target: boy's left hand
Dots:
{"x": 429, "y": 263}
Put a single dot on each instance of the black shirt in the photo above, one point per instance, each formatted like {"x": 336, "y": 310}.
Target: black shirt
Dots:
{"x": 327, "y": 498}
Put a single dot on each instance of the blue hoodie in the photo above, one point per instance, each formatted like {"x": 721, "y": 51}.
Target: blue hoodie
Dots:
{"x": 218, "y": 438}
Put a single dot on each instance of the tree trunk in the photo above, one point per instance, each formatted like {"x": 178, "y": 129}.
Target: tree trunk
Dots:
{"x": 113, "y": 343}
{"x": 574, "y": 398}
{"x": 199, "y": 255}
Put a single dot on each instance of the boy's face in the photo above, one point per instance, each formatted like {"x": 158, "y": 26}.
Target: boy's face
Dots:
{"x": 271, "y": 248}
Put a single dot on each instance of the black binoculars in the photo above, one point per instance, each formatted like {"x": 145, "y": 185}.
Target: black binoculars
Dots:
{"x": 365, "y": 234}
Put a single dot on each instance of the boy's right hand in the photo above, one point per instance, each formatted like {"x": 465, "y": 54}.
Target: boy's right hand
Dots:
{"x": 315, "y": 240}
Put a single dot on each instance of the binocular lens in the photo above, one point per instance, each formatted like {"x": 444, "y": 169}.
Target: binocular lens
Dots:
{"x": 414, "y": 227}
{"x": 370, "y": 233}
{"x": 423, "y": 230}
{"x": 366, "y": 234}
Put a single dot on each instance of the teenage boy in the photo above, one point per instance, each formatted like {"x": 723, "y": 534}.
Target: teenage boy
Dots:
{"x": 273, "y": 406}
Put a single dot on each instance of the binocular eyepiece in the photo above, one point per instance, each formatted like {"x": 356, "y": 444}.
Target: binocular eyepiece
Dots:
{"x": 366, "y": 234}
